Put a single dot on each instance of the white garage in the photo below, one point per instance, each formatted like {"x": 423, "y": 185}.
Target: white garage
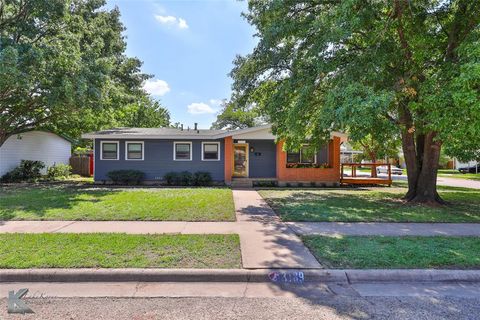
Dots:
{"x": 34, "y": 145}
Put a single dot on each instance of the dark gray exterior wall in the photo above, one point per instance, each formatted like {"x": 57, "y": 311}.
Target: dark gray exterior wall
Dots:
{"x": 158, "y": 160}
{"x": 263, "y": 159}
{"x": 322, "y": 155}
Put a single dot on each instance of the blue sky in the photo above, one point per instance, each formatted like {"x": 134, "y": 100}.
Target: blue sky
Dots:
{"x": 188, "y": 46}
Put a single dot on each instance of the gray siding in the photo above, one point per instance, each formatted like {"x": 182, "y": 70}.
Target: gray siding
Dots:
{"x": 263, "y": 159}
{"x": 322, "y": 155}
{"x": 158, "y": 160}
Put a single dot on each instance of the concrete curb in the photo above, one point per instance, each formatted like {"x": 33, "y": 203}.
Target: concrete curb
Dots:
{"x": 237, "y": 275}
{"x": 412, "y": 275}
{"x": 169, "y": 275}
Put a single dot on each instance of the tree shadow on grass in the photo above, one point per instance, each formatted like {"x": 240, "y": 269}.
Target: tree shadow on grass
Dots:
{"x": 367, "y": 206}
{"x": 36, "y": 200}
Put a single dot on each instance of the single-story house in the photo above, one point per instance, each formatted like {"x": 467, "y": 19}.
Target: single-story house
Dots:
{"x": 36, "y": 145}
{"x": 229, "y": 155}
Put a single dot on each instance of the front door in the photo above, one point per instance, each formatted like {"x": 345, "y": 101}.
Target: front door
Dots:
{"x": 240, "y": 160}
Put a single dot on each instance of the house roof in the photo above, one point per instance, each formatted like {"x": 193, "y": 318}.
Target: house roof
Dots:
{"x": 154, "y": 133}
{"x": 174, "y": 133}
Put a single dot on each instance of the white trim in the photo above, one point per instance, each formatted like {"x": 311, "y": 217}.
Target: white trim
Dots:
{"x": 134, "y": 142}
{"x": 175, "y": 153}
{"x": 109, "y": 141}
{"x": 219, "y": 153}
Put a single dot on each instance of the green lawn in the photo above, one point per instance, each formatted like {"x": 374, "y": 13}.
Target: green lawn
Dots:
{"x": 458, "y": 175}
{"x": 361, "y": 252}
{"x": 375, "y": 204}
{"x": 59, "y": 202}
{"x": 108, "y": 250}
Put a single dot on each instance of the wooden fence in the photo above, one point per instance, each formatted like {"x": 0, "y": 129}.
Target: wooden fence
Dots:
{"x": 80, "y": 165}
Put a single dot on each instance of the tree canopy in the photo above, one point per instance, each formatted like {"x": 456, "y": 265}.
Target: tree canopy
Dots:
{"x": 63, "y": 66}
{"x": 369, "y": 67}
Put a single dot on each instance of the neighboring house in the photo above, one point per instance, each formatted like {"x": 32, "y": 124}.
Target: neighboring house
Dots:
{"x": 347, "y": 153}
{"x": 43, "y": 146}
{"x": 228, "y": 155}
{"x": 469, "y": 164}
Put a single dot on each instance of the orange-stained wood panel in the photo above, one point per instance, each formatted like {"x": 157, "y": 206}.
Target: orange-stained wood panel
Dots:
{"x": 228, "y": 159}
{"x": 310, "y": 174}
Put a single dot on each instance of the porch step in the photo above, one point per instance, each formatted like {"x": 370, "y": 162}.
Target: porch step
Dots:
{"x": 242, "y": 183}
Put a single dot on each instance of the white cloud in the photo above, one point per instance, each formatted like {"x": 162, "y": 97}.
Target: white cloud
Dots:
{"x": 199, "y": 108}
{"x": 215, "y": 102}
{"x": 156, "y": 87}
{"x": 172, "y": 21}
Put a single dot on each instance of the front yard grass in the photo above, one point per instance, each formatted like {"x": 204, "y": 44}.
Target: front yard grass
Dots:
{"x": 108, "y": 250}
{"x": 450, "y": 173}
{"x": 371, "y": 205}
{"x": 377, "y": 252}
{"x": 60, "y": 202}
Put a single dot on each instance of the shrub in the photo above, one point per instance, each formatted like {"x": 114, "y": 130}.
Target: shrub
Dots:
{"x": 171, "y": 178}
{"x": 202, "y": 178}
{"x": 130, "y": 177}
{"x": 59, "y": 171}
{"x": 265, "y": 183}
{"x": 27, "y": 170}
{"x": 186, "y": 179}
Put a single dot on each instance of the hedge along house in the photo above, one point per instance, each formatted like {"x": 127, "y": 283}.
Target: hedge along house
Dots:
{"x": 230, "y": 156}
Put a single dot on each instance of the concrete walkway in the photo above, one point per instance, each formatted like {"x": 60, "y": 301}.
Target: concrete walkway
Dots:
{"x": 266, "y": 242}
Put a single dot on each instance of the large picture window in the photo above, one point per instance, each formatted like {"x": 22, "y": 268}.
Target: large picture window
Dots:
{"x": 182, "y": 151}
{"x": 305, "y": 155}
{"x": 134, "y": 150}
{"x": 210, "y": 151}
{"x": 109, "y": 150}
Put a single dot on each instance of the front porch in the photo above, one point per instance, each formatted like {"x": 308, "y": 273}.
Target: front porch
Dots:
{"x": 261, "y": 161}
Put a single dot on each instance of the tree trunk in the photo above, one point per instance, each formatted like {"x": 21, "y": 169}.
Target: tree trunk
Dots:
{"x": 422, "y": 160}
{"x": 373, "y": 172}
{"x": 3, "y": 137}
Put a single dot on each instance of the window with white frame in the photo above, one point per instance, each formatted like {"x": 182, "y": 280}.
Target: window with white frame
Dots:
{"x": 210, "y": 151}
{"x": 109, "y": 150}
{"x": 134, "y": 150}
{"x": 182, "y": 151}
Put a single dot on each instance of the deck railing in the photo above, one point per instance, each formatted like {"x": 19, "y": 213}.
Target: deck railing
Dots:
{"x": 371, "y": 179}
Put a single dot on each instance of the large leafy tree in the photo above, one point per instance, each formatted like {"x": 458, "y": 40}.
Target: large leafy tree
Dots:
{"x": 237, "y": 116}
{"x": 369, "y": 66}
{"x": 63, "y": 66}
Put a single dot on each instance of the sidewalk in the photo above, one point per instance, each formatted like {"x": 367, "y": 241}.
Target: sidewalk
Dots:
{"x": 385, "y": 229}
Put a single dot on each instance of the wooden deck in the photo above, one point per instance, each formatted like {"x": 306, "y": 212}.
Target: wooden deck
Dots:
{"x": 364, "y": 179}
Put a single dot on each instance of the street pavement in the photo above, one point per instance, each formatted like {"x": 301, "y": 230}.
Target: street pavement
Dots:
{"x": 328, "y": 307}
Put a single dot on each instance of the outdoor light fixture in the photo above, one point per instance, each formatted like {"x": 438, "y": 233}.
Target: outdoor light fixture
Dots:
{"x": 251, "y": 149}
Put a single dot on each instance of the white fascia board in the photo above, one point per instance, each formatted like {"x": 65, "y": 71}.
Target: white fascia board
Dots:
{"x": 242, "y": 131}
{"x": 146, "y": 137}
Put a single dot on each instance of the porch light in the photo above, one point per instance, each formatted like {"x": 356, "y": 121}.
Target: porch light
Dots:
{"x": 251, "y": 149}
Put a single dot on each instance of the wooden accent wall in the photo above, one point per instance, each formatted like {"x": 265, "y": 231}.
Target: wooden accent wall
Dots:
{"x": 331, "y": 175}
{"x": 228, "y": 159}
